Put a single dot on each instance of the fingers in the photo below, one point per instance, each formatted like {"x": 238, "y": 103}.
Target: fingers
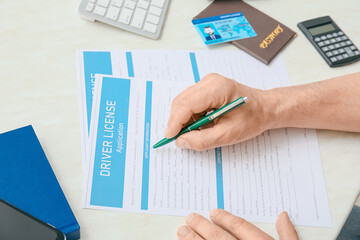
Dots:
{"x": 238, "y": 227}
{"x": 186, "y": 233}
{"x": 285, "y": 228}
{"x": 184, "y": 106}
{"x": 199, "y": 98}
{"x": 204, "y": 139}
{"x": 206, "y": 229}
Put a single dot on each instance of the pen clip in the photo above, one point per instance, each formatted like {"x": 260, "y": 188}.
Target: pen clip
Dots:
{"x": 228, "y": 108}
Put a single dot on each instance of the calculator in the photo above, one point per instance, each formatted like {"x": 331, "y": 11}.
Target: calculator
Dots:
{"x": 328, "y": 39}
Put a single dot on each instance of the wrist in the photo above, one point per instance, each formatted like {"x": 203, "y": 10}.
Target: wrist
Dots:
{"x": 276, "y": 108}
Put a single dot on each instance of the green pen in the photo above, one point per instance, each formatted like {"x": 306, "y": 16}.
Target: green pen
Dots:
{"x": 201, "y": 122}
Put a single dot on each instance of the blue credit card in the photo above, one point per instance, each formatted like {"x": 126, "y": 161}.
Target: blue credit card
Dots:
{"x": 224, "y": 28}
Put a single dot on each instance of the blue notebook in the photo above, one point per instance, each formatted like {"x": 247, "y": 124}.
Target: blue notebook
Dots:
{"x": 27, "y": 181}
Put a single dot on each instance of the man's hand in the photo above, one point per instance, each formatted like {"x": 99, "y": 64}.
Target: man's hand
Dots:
{"x": 227, "y": 226}
{"x": 330, "y": 104}
{"x": 213, "y": 92}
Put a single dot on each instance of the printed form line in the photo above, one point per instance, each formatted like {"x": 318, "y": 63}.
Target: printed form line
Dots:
{"x": 194, "y": 67}
{"x": 146, "y": 154}
{"x": 130, "y": 64}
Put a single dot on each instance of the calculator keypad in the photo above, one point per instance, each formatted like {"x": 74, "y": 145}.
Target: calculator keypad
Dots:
{"x": 336, "y": 46}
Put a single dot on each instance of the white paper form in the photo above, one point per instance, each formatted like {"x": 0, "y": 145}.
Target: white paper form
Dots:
{"x": 124, "y": 173}
{"x": 278, "y": 170}
{"x": 162, "y": 65}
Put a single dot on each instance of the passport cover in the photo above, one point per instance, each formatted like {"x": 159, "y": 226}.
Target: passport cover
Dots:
{"x": 28, "y": 182}
{"x": 271, "y": 37}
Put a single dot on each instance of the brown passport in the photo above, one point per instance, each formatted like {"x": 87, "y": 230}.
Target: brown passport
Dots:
{"x": 271, "y": 37}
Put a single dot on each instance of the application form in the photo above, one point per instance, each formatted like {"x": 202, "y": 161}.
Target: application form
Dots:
{"x": 257, "y": 179}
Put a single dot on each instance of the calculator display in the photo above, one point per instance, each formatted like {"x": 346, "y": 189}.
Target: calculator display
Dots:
{"x": 321, "y": 29}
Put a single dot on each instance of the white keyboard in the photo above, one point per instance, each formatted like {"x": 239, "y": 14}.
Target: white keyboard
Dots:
{"x": 144, "y": 17}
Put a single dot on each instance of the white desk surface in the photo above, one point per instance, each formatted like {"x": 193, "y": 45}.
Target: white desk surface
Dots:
{"x": 38, "y": 40}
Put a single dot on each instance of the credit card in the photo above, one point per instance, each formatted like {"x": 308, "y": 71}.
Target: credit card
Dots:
{"x": 224, "y": 28}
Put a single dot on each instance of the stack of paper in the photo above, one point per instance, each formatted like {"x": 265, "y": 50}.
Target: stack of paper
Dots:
{"x": 125, "y": 100}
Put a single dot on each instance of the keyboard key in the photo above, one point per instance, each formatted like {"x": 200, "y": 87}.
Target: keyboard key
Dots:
{"x": 155, "y": 11}
{"x": 335, "y": 52}
{"x": 332, "y": 40}
{"x": 348, "y": 42}
{"x": 337, "y": 45}
{"x": 158, "y": 3}
{"x": 320, "y": 44}
{"x": 138, "y": 18}
{"x": 335, "y": 35}
{"x": 341, "y": 50}
{"x": 331, "y": 47}
{"x": 89, "y": 7}
{"x": 352, "y": 47}
{"x": 100, "y": 10}
{"x": 344, "y": 38}
{"x": 143, "y": 4}
{"x": 125, "y": 15}
{"x": 150, "y": 27}
{"x": 345, "y": 55}
{"x": 357, "y": 52}
{"x": 329, "y": 36}
{"x": 317, "y": 39}
{"x": 340, "y": 33}
{"x": 343, "y": 44}
{"x": 338, "y": 39}
{"x": 333, "y": 59}
{"x": 113, "y": 13}
{"x": 130, "y": 4}
{"x": 103, "y": 3}
{"x": 153, "y": 19}
{"x": 323, "y": 37}
{"x": 117, "y": 3}
{"x": 327, "y": 42}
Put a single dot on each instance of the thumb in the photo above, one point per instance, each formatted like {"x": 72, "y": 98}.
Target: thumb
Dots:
{"x": 285, "y": 228}
{"x": 202, "y": 139}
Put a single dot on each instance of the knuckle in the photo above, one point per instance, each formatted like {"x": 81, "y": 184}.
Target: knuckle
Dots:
{"x": 192, "y": 235}
{"x": 176, "y": 101}
{"x": 200, "y": 145}
{"x": 211, "y": 76}
{"x": 182, "y": 100}
{"x": 217, "y": 234}
{"x": 236, "y": 223}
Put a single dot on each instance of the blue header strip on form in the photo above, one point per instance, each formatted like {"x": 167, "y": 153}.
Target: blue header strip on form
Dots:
{"x": 194, "y": 67}
{"x": 110, "y": 152}
{"x": 146, "y": 155}
{"x": 219, "y": 178}
{"x": 94, "y": 63}
{"x": 218, "y": 153}
{"x": 130, "y": 64}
